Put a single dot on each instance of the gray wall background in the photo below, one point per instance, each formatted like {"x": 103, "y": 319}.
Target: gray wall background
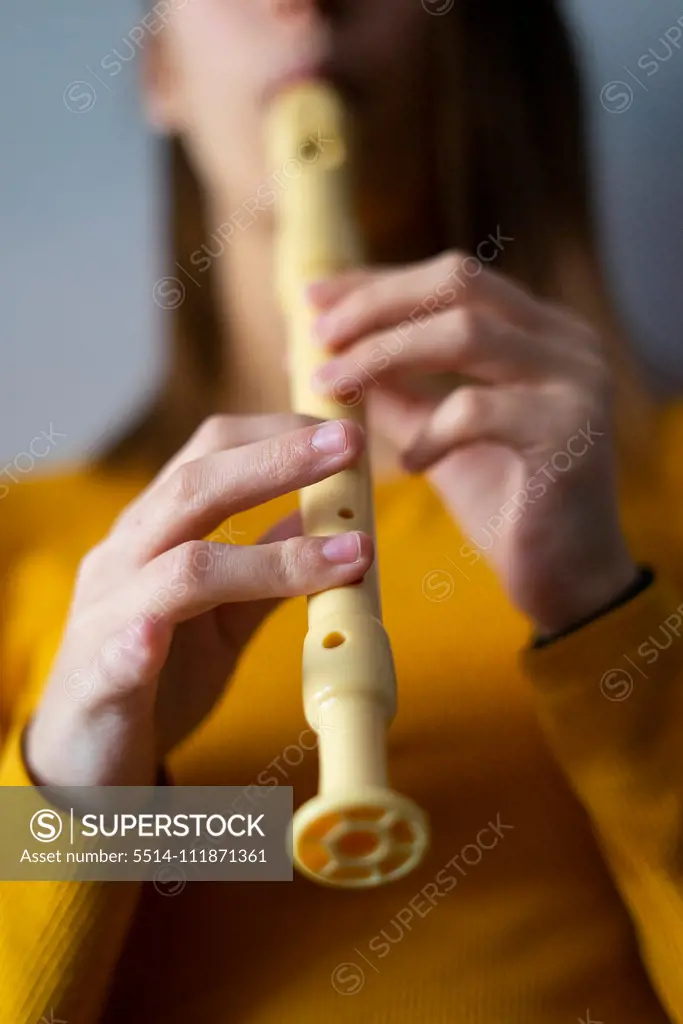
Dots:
{"x": 79, "y": 258}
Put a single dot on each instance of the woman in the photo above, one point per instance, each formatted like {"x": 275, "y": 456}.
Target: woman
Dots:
{"x": 531, "y": 576}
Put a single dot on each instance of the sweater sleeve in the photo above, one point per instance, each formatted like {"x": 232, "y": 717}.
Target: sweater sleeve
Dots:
{"x": 610, "y": 701}
{"x": 59, "y": 941}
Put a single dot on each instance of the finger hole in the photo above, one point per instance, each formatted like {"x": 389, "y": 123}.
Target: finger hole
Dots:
{"x": 334, "y": 639}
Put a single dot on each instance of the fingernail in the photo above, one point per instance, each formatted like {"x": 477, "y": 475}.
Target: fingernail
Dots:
{"x": 330, "y": 438}
{"x": 343, "y": 549}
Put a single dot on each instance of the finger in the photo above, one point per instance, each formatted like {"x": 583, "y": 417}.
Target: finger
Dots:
{"x": 515, "y": 417}
{"x": 218, "y": 433}
{"x": 201, "y": 494}
{"x": 471, "y": 341}
{"x": 398, "y": 416}
{"x": 96, "y": 571}
{"x": 200, "y": 575}
{"x": 240, "y": 621}
{"x": 405, "y": 295}
{"x": 325, "y": 293}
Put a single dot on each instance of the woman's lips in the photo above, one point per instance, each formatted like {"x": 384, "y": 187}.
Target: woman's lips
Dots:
{"x": 301, "y": 73}
{"x": 306, "y": 73}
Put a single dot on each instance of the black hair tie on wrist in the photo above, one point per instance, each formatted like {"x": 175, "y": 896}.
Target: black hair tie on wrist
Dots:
{"x": 643, "y": 580}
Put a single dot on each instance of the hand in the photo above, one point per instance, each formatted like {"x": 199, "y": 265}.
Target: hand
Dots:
{"x": 522, "y": 452}
{"x": 159, "y": 616}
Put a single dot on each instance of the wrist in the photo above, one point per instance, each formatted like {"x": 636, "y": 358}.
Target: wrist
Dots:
{"x": 88, "y": 750}
{"x": 584, "y": 594}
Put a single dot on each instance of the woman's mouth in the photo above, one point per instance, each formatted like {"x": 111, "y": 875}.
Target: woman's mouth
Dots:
{"x": 309, "y": 71}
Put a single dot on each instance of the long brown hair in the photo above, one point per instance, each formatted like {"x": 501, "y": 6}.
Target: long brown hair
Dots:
{"x": 510, "y": 152}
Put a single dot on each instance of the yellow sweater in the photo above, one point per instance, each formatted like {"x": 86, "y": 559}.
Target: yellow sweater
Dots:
{"x": 553, "y": 892}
